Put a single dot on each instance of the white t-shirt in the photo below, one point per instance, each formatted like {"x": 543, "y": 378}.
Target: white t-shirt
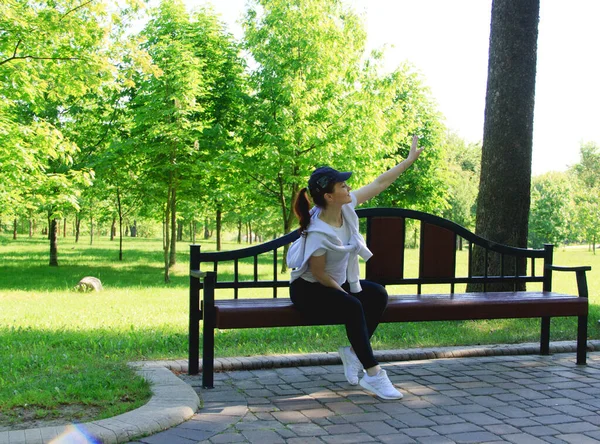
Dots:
{"x": 336, "y": 262}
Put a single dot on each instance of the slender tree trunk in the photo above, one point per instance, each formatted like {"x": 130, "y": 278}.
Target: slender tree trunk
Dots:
{"x": 166, "y": 234}
{"x": 193, "y": 230}
{"x": 206, "y": 232}
{"x": 239, "y": 236}
{"x": 250, "y": 233}
{"x": 219, "y": 217}
{"x": 120, "y": 210}
{"x": 64, "y": 227}
{"x": 288, "y": 217}
{"x": 113, "y": 228}
{"x": 91, "y": 225}
{"x": 173, "y": 252}
{"x": 15, "y": 226}
{"x": 77, "y": 227}
{"x": 30, "y": 227}
{"x": 179, "y": 231}
{"x": 504, "y": 190}
{"x": 53, "y": 243}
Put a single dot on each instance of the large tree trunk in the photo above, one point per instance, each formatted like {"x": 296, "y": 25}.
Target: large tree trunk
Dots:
{"x": 53, "y": 243}
{"x": 504, "y": 189}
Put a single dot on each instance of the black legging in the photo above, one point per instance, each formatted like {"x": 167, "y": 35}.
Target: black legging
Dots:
{"x": 360, "y": 312}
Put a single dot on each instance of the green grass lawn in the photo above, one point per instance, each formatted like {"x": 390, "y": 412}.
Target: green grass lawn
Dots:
{"x": 64, "y": 353}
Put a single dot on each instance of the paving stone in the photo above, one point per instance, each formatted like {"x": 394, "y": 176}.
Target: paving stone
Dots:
{"x": 575, "y": 427}
{"x": 577, "y": 438}
{"x": 342, "y": 439}
{"x": 376, "y": 428}
{"x": 224, "y": 438}
{"x": 555, "y": 419}
{"x": 399, "y": 438}
{"x": 456, "y": 428}
{"x": 263, "y": 436}
{"x": 307, "y": 429}
{"x": 480, "y": 419}
{"x": 473, "y": 437}
{"x": 290, "y": 417}
{"x": 341, "y": 429}
{"x": 501, "y": 429}
{"x": 448, "y": 419}
{"x": 419, "y": 432}
{"x": 434, "y": 439}
{"x": 524, "y": 438}
{"x": 343, "y": 408}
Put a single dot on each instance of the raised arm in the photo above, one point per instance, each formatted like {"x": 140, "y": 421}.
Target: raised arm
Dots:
{"x": 386, "y": 179}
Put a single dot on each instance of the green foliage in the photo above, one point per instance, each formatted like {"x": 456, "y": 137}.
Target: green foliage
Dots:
{"x": 549, "y": 217}
{"x": 463, "y": 162}
{"x": 587, "y": 194}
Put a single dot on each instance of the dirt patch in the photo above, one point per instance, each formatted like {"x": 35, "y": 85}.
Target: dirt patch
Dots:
{"x": 33, "y": 417}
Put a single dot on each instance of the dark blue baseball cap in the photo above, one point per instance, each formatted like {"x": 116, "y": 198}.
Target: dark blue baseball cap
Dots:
{"x": 323, "y": 176}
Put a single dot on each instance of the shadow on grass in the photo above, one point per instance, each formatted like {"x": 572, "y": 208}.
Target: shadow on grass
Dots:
{"x": 44, "y": 278}
{"x": 24, "y": 265}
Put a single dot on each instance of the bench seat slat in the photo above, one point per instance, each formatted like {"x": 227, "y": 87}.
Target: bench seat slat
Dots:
{"x": 257, "y": 313}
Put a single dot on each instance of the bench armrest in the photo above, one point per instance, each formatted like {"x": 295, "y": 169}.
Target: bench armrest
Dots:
{"x": 582, "y": 287}
{"x": 559, "y": 268}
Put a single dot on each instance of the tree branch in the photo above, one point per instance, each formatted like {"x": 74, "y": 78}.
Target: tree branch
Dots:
{"x": 75, "y": 9}
{"x": 275, "y": 193}
{"x": 37, "y": 58}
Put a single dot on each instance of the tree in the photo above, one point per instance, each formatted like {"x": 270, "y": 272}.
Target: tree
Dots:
{"x": 550, "y": 215}
{"x": 587, "y": 194}
{"x": 315, "y": 101}
{"x": 504, "y": 189}
{"x": 51, "y": 55}
{"x": 462, "y": 179}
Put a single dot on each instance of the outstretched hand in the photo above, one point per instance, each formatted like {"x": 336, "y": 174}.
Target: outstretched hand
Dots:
{"x": 415, "y": 151}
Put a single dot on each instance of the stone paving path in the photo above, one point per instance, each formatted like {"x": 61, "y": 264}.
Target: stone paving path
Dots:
{"x": 518, "y": 399}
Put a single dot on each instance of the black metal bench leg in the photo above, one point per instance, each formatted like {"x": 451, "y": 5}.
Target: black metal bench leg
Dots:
{"x": 582, "y": 340}
{"x": 545, "y": 337}
{"x": 208, "y": 355}
{"x": 208, "y": 332}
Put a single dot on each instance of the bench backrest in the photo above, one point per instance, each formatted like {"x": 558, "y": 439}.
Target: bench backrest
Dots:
{"x": 385, "y": 232}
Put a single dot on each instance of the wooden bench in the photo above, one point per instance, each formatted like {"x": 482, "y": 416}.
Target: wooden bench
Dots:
{"x": 385, "y": 235}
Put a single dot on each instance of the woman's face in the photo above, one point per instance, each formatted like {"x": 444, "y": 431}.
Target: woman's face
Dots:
{"x": 341, "y": 193}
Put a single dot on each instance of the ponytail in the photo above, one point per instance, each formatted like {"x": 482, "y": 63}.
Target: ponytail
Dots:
{"x": 301, "y": 208}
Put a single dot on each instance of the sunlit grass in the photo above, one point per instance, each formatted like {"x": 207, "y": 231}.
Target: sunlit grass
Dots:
{"x": 59, "y": 347}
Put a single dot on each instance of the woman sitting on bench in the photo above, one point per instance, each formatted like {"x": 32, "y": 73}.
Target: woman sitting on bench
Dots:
{"x": 325, "y": 277}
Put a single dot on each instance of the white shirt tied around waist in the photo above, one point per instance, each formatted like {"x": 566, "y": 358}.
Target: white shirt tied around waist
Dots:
{"x": 321, "y": 235}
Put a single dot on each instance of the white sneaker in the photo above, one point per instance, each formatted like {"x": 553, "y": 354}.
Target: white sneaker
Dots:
{"x": 352, "y": 366}
{"x": 380, "y": 385}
